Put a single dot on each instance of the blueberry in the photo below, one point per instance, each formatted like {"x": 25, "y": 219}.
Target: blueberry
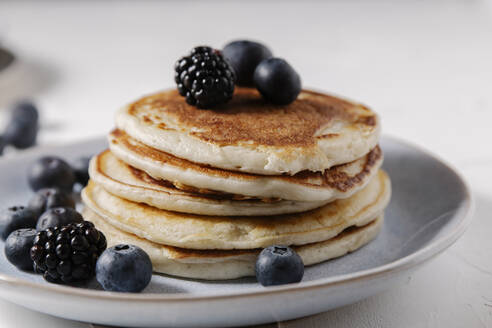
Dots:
{"x": 18, "y": 247}
{"x": 51, "y": 171}
{"x": 124, "y": 268}
{"x": 81, "y": 169}
{"x": 21, "y": 134}
{"x": 277, "y": 81}
{"x": 47, "y": 198}
{"x": 278, "y": 265}
{"x": 22, "y": 129}
{"x": 16, "y": 217}
{"x": 58, "y": 217}
{"x": 25, "y": 111}
{"x": 244, "y": 56}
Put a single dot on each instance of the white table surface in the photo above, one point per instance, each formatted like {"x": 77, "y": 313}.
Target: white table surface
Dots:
{"x": 426, "y": 67}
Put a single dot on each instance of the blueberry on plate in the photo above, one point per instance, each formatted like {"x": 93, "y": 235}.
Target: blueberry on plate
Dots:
{"x": 81, "y": 169}
{"x": 47, "y": 198}
{"x": 58, "y": 217}
{"x": 278, "y": 265}
{"x": 18, "y": 246}
{"x": 51, "y": 171}
{"x": 16, "y": 217}
{"x": 244, "y": 56}
{"x": 277, "y": 81}
{"x": 124, "y": 268}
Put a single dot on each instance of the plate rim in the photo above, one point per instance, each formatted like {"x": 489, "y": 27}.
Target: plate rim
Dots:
{"x": 421, "y": 256}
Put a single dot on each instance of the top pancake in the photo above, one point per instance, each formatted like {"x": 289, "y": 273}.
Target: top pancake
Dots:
{"x": 315, "y": 132}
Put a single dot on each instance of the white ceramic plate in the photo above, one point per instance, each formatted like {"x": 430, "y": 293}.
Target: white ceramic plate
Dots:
{"x": 429, "y": 210}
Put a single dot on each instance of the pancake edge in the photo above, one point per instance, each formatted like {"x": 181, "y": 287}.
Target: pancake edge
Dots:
{"x": 243, "y": 265}
{"x": 252, "y": 185}
{"x": 197, "y": 240}
{"x": 185, "y": 202}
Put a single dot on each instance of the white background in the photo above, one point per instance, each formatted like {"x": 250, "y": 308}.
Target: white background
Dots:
{"x": 425, "y": 66}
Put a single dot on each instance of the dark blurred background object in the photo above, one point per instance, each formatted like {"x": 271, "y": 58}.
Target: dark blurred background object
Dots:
{"x": 17, "y": 79}
{"x": 22, "y": 76}
{"x": 6, "y": 58}
{"x": 22, "y": 126}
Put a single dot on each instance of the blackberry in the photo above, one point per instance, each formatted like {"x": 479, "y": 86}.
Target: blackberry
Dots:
{"x": 204, "y": 78}
{"x": 69, "y": 253}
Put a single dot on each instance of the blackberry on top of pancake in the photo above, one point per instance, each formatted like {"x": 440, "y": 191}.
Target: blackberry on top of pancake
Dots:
{"x": 204, "y": 77}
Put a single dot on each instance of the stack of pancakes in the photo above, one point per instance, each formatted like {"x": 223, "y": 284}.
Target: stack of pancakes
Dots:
{"x": 203, "y": 191}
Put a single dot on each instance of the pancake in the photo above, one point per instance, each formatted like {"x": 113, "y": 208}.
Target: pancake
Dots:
{"x": 215, "y": 232}
{"x": 314, "y": 133}
{"x": 340, "y": 181}
{"x": 231, "y": 264}
{"x": 132, "y": 184}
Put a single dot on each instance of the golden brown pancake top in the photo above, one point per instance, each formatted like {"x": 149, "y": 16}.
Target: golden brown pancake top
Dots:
{"x": 248, "y": 118}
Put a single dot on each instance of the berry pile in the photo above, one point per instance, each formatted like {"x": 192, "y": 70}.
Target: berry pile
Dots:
{"x": 50, "y": 210}
{"x": 207, "y": 76}
{"x": 51, "y": 238}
